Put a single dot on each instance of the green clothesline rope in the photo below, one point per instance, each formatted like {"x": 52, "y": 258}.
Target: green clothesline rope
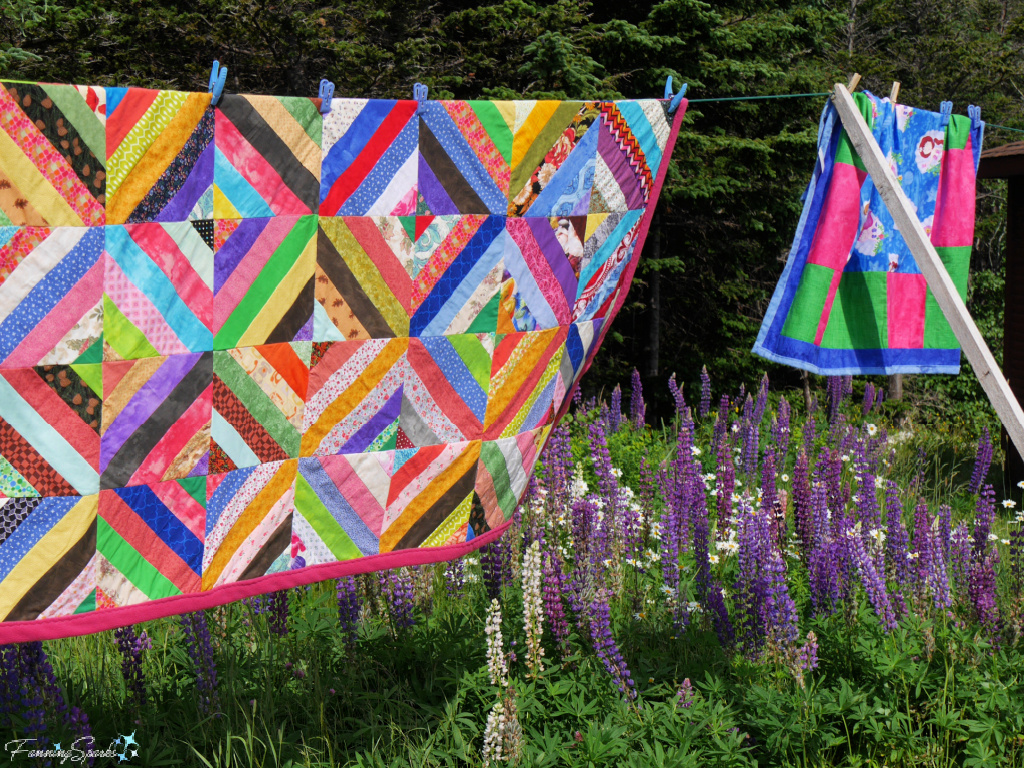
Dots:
{"x": 814, "y": 95}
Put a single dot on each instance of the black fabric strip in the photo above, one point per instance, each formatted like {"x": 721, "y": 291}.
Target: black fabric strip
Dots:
{"x": 60, "y": 576}
{"x": 338, "y": 272}
{"x": 295, "y": 318}
{"x": 277, "y": 543}
{"x": 438, "y": 511}
{"x": 451, "y": 178}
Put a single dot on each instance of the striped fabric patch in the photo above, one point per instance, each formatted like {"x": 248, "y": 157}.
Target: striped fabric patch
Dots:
{"x": 267, "y": 157}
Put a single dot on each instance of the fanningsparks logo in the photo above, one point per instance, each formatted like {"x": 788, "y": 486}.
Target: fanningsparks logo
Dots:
{"x": 122, "y": 749}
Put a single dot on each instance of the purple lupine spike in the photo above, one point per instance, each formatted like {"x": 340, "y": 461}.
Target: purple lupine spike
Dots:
{"x": 769, "y": 499}
{"x": 1017, "y": 558}
{"x": 82, "y": 732}
{"x": 751, "y": 587}
{"x": 873, "y": 582}
{"x": 553, "y": 589}
{"x": 131, "y": 647}
{"x": 277, "y": 612}
{"x": 721, "y": 425}
{"x": 725, "y": 485}
{"x": 492, "y": 566}
{"x": 984, "y": 514}
{"x": 981, "y": 589}
{"x": 781, "y": 432}
{"x": 705, "y": 393}
{"x": 606, "y": 648}
{"x": 960, "y": 555}
{"x": 455, "y": 578}
{"x": 559, "y": 469}
{"x": 762, "y": 400}
{"x": 945, "y": 529}
{"x": 200, "y": 650}
{"x": 648, "y": 494}
{"x": 869, "y": 399}
{"x": 834, "y": 397}
{"x": 397, "y": 588}
{"x": 637, "y": 407}
{"x": 982, "y": 461}
{"x": 677, "y": 395}
{"x": 897, "y": 547}
{"x": 824, "y": 578}
{"x": 781, "y": 610}
{"x": 868, "y": 511}
{"x": 750, "y": 446}
{"x": 802, "y": 511}
{"x": 931, "y": 566}
{"x": 879, "y": 398}
{"x": 348, "y": 608}
{"x": 615, "y": 414}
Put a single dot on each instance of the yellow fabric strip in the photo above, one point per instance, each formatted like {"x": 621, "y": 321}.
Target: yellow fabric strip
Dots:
{"x": 281, "y": 300}
{"x": 34, "y": 186}
{"x": 531, "y": 128}
{"x": 292, "y": 134}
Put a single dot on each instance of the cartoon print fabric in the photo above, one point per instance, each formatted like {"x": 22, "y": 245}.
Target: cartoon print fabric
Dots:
{"x": 249, "y": 346}
{"x": 852, "y": 299}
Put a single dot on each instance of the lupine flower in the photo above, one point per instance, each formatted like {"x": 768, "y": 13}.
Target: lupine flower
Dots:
{"x": 533, "y": 609}
{"x": 131, "y": 647}
{"x": 677, "y": 395}
{"x": 277, "y": 612}
{"x": 615, "y": 410}
{"x": 605, "y": 647}
{"x": 869, "y": 399}
{"x": 396, "y": 586}
{"x": 685, "y": 696}
{"x": 781, "y": 432}
{"x": 982, "y": 461}
{"x": 553, "y": 588}
{"x": 637, "y": 407}
{"x": 874, "y": 583}
{"x": 455, "y": 578}
{"x": 494, "y": 567}
{"x": 897, "y": 545}
{"x": 200, "y": 649}
{"x": 348, "y": 608}
{"x": 497, "y": 660}
{"x": 762, "y": 400}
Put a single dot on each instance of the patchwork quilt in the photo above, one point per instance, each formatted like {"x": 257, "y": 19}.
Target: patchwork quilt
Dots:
{"x": 852, "y": 300}
{"x": 249, "y": 346}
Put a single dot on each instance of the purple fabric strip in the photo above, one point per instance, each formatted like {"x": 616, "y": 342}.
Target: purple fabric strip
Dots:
{"x": 557, "y": 260}
{"x": 144, "y": 403}
{"x": 619, "y": 165}
{"x": 235, "y": 249}
{"x": 198, "y": 181}
{"x": 433, "y": 193}
{"x": 202, "y": 467}
{"x": 368, "y": 433}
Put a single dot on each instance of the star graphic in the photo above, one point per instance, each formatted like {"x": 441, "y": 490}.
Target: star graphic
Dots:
{"x": 57, "y": 746}
{"x": 129, "y": 740}
{"x": 117, "y": 742}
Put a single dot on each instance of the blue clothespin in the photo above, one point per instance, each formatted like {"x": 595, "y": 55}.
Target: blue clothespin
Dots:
{"x": 946, "y": 110}
{"x": 419, "y": 92}
{"x": 326, "y": 95}
{"x": 974, "y": 113}
{"x": 678, "y": 98}
{"x": 218, "y": 76}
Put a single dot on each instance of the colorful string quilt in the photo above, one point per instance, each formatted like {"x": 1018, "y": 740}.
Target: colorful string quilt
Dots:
{"x": 249, "y": 346}
{"x": 851, "y": 299}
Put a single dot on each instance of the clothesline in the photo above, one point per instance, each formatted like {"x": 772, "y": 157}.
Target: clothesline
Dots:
{"x": 814, "y": 95}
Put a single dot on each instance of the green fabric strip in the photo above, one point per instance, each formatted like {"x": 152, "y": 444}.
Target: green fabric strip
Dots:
{"x": 89, "y": 604}
{"x": 70, "y": 102}
{"x": 958, "y": 130}
{"x": 494, "y": 461}
{"x": 859, "y": 314}
{"x": 487, "y": 320}
{"x": 307, "y": 115}
{"x": 489, "y": 116}
{"x": 257, "y": 402}
{"x": 322, "y": 521}
{"x": 808, "y": 303}
{"x": 94, "y": 354}
{"x": 123, "y": 337}
{"x": 474, "y": 356}
{"x": 266, "y": 283}
{"x": 132, "y": 565}
{"x": 195, "y": 487}
{"x": 92, "y": 374}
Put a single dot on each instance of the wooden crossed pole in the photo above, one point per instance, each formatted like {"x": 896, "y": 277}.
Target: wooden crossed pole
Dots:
{"x": 928, "y": 261}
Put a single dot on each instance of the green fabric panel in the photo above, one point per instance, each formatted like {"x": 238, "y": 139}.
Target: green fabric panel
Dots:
{"x": 12, "y": 483}
{"x": 195, "y": 487}
{"x": 808, "y": 304}
{"x": 958, "y": 130}
{"x": 542, "y": 144}
{"x": 94, "y": 354}
{"x": 266, "y": 283}
{"x": 957, "y": 260}
{"x": 859, "y": 314}
{"x": 494, "y": 460}
{"x": 409, "y": 225}
{"x": 123, "y": 337}
{"x": 487, "y": 320}
{"x": 4, "y": 220}
{"x": 845, "y": 153}
{"x": 89, "y": 604}
{"x": 322, "y": 521}
{"x": 387, "y": 440}
{"x": 487, "y": 113}
{"x": 70, "y": 102}
{"x": 92, "y": 374}
{"x": 131, "y": 564}
{"x": 937, "y": 333}
{"x": 257, "y": 402}
{"x": 307, "y": 115}
{"x": 474, "y": 356}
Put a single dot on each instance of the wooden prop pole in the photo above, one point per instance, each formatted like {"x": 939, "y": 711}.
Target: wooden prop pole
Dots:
{"x": 928, "y": 261}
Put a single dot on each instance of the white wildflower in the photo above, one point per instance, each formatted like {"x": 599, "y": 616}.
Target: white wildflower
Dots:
{"x": 845, "y": 457}
{"x": 1009, "y": 503}
{"x": 713, "y": 559}
{"x": 872, "y": 430}
{"x": 497, "y": 661}
{"x": 695, "y": 450}
{"x": 533, "y": 609}
{"x": 1004, "y": 542}
{"x": 785, "y": 477}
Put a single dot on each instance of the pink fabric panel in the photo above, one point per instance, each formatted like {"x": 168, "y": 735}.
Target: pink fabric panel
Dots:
{"x": 954, "y": 208}
{"x": 840, "y": 219}
{"x": 906, "y": 296}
